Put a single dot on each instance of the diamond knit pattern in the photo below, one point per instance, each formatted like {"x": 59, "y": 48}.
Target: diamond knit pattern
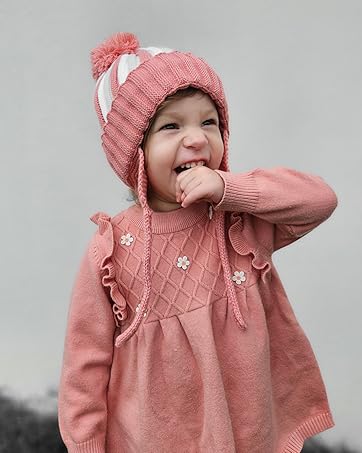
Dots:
{"x": 175, "y": 290}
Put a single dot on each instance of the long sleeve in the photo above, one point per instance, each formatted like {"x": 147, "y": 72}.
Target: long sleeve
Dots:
{"x": 294, "y": 202}
{"x": 87, "y": 359}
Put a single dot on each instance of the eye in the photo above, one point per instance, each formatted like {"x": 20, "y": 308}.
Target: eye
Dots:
{"x": 169, "y": 126}
{"x": 210, "y": 122}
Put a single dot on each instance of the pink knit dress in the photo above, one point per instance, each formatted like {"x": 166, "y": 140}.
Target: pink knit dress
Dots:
{"x": 191, "y": 380}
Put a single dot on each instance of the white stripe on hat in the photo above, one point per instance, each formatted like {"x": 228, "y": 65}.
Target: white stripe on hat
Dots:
{"x": 127, "y": 63}
{"x": 156, "y": 50}
{"x": 105, "y": 93}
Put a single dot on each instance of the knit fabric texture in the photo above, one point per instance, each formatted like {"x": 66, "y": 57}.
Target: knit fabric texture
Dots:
{"x": 180, "y": 335}
{"x": 134, "y": 83}
{"x": 190, "y": 380}
{"x": 134, "y": 101}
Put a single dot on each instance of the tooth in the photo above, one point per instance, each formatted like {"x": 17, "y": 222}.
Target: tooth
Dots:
{"x": 200, "y": 163}
{"x": 188, "y": 165}
{"x": 193, "y": 164}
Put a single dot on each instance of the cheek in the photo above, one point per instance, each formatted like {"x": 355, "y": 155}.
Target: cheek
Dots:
{"x": 146, "y": 154}
{"x": 158, "y": 170}
{"x": 219, "y": 153}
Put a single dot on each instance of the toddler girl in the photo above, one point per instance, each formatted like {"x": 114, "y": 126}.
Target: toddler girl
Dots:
{"x": 180, "y": 336}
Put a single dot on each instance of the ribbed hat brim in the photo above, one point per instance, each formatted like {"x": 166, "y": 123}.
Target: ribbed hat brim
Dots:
{"x": 139, "y": 97}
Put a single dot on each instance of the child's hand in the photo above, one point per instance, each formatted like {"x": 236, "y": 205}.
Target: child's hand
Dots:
{"x": 199, "y": 184}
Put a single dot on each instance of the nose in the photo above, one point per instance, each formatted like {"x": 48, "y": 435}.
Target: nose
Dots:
{"x": 195, "y": 138}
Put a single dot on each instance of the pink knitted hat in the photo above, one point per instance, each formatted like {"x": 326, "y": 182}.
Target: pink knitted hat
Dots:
{"x": 131, "y": 84}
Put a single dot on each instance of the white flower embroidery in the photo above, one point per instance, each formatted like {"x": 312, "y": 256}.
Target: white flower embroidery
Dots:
{"x": 126, "y": 239}
{"x": 238, "y": 277}
{"x": 138, "y": 309}
{"x": 183, "y": 262}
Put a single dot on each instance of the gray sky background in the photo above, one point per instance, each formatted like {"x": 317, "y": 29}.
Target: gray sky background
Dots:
{"x": 292, "y": 71}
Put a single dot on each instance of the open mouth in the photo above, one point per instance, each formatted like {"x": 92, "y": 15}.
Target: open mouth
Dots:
{"x": 189, "y": 165}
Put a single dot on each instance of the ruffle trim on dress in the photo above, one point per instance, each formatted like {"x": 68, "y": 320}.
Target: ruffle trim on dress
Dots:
{"x": 243, "y": 240}
{"x": 104, "y": 251}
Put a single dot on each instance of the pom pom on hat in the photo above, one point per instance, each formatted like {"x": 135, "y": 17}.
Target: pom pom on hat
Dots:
{"x": 106, "y": 53}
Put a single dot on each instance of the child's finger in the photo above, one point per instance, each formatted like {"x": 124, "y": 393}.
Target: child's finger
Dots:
{"x": 193, "y": 197}
{"x": 197, "y": 194}
{"x": 182, "y": 178}
{"x": 190, "y": 185}
{"x": 178, "y": 189}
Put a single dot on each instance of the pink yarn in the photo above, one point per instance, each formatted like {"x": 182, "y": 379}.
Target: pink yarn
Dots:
{"x": 142, "y": 194}
{"x": 220, "y": 225}
{"x": 106, "y": 53}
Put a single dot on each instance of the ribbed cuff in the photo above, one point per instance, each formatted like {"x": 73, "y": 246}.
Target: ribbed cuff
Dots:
{"x": 90, "y": 446}
{"x": 240, "y": 193}
{"x": 311, "y": 427}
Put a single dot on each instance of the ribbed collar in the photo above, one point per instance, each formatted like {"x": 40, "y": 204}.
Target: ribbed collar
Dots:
{"x": 172, "y": 221}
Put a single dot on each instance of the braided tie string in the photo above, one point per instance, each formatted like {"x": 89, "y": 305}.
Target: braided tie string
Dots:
{"x": 220, "y": 228}
{"x": 142, "y": 196}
